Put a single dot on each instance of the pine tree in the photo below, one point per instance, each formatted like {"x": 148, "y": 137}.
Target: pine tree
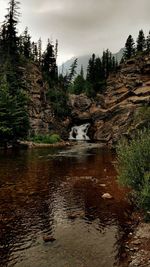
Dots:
{"x": 72, "y": 71}
{"x": 78, "y": 85}
{"x": 141, "y": 44}
{"x": 35, "y": 52}
{"x": 49, "y": 62}
{"x": 129, "y": 50}
{"x": 107, "y": 63}
{"x": 122, "y": 60}
{"x": 26, "y": 43}
{"x": 9, "y": 28}
{"x": 148, "y": 43}
{"x": 56, "y": 49}
{"x": 40, "y": 51}
{"x": 104, "y": 65}
{"x": 82, "y": 72}
{"x": 14, "y": 123}
{"x": 114, "y": 64}
{"x": 98, "y": 70}
{"x": 91, "y": 69}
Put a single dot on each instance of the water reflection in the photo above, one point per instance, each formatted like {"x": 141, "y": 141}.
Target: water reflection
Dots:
{"x": 58, "y": 193}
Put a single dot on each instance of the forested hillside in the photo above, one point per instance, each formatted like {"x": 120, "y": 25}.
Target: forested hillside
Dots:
{"x": 20, "y": 57}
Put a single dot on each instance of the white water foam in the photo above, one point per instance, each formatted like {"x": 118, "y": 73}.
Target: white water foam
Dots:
{"x": 79, "y": 133}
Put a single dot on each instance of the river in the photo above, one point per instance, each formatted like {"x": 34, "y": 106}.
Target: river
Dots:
{"x": 58, "y": 193}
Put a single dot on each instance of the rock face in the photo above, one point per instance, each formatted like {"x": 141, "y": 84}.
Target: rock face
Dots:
{"x": 40, "y": 112}
{"x": 111, "y": 114}
{"x": 41, "y": 115}
{"x": 80, "y": 107}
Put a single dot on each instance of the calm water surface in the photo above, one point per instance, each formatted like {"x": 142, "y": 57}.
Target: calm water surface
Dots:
{"x": 49, "y": 192}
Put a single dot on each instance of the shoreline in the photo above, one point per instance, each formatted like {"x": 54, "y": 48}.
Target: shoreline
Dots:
{"x": 30, "y": 144}
{"x": 137, "y": 242}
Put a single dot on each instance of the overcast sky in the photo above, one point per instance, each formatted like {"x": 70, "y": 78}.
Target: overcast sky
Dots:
{"x": 83, "y": 26}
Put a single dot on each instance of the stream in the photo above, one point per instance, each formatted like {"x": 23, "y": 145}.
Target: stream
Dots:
{"x": 57, "y": 193}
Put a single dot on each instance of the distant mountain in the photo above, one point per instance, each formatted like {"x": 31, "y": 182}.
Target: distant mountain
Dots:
{"x": 83, "y": 61}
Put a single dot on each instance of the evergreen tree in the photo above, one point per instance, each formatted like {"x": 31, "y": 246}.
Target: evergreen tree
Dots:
{"x": 72, "y": 71}
{"x": 49, "y": 62}
{"x": 141, "y": 44}
{"x": 122, "y": 60}
{"x": 91, "y": 69}
{"x": 78, "y": 85}
{"x": 26, "y": 44}
{"x": 98, "y": 70}
{"x": 40, "y": 51}
{"x": 56, "y": 49}
{"x": 129, "y": 50}
{"x": 20, "y": 45}
{"x": 35, "y": 51}
{"x": 82, "y": 72}
{"x": 104, "y": 65}
{"x": 107, "y": 63}
{"x": 9, "y": 30}
{"x": 14, "y": 123}
{"x": 148, "y": 43}
{"x": 114, "y": 63}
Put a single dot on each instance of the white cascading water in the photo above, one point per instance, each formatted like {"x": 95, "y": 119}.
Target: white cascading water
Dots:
{"x": 79, "y": 132}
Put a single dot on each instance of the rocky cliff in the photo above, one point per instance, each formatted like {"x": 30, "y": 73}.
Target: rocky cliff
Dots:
{"x": 41, "y": 115}
{"x": 111, "y": 114}
{"x": 40, "y": 112}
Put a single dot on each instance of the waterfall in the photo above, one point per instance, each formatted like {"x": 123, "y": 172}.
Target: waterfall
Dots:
{"x": 79, "y": 132}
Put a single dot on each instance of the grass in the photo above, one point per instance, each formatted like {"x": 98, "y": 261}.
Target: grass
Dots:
{"x": 46, "y": 139}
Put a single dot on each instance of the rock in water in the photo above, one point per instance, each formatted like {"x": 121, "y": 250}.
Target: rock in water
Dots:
{"x": 103, "y": 185}
{"x": 107, "y": 196}
{"x": 47, "y": 239}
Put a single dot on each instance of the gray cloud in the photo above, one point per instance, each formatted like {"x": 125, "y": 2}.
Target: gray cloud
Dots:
{"x": 85, "y": 26}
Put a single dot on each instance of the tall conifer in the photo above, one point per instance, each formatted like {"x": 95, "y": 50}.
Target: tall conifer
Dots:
{"x": 141, "y": 43}
{"x": 129, "y": 50}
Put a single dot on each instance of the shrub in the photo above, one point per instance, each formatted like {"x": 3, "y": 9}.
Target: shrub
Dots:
{"x": 145, "y": 192}
{"x": 46, "y": 139}
{"x": 134, "y": 166}
{"x": 143, "y": 115}
{"x": 54, "y": 138}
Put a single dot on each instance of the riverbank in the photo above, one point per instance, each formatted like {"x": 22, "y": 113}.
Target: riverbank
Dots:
{"x": 136, "y": 242}
{"x": 137, "y": 245}
{"x": 30, "y": 144}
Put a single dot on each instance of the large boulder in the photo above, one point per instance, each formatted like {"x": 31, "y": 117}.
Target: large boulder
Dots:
{"x": 80, "y": 107}
{"x": 79, "y": 102}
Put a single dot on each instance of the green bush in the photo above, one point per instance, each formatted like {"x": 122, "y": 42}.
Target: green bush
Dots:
{"x": 143, "y": 115}
{"x": 145, "y": 192}
{"x": 46, "y": 139}
{"x": 133, "y": 166}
